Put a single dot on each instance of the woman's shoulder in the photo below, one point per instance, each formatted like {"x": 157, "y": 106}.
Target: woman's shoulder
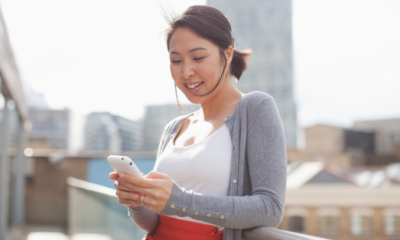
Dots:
{"x": 253, "y": 100}
{"x": 174, "y": 123}
{"x": 261, "y": 111}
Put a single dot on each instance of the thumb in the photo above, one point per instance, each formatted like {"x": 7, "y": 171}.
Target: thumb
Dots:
{"x": 113, "y": 175}
{"x": 156, "y": 175}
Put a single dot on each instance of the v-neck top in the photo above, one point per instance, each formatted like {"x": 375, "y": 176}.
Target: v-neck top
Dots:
{"x": 203, "y": 167}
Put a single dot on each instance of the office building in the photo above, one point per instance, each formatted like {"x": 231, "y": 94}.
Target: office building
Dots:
{"x": 50, "y": 128}
{"x": 388, "y": 133}
{"x": 265, "y": 26}
{"x": 107, "y": 132}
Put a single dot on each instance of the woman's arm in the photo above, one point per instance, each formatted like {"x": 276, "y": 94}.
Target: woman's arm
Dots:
{"x": 144, "y": 218}
{"x": 266, "y": 158}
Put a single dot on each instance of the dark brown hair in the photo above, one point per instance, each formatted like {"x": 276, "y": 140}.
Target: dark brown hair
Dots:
{"x": 211, "y": 24}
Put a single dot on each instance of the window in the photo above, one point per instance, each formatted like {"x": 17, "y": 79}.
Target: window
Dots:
{"x": 361, "y": 224}
{"x": 296, "y": 224}
{"x": 329, "y": 221}
{"x": 329, "y": 225}
{"x": 296, "y": 218}
{"x": 392, "y": 222}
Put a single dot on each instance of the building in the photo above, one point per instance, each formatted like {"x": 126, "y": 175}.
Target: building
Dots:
{"x": 336, "y": 146}
{"x": 331, "y": 139}
{"x": 50, "y": 128}
{"x": 107, "y": 132}
{"x": 387, "y": 131}
{"x": 266, "y": 28}
{"x": 357, "y": 203}
{"x": 367, "y": 143}
{"x": 155, "y": 119}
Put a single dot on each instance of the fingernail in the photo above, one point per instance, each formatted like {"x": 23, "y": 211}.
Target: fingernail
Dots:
{"x": 134, "y": 196}
{"x": 122, "y": 175}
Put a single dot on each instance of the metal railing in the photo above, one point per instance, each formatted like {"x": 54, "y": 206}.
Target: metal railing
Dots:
{"x": 265, "y": 233}
{"x": 95, "y": 209}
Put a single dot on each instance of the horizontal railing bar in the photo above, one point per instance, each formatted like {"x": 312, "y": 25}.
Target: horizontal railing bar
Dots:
{"x": 92, "y": 187}
{"x": 266, "y": 233}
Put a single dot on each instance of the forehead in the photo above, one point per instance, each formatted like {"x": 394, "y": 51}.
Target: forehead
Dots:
{"x": 184, "y": 39}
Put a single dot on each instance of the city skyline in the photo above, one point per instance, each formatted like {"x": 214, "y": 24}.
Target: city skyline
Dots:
{"x": 345, "y": 68}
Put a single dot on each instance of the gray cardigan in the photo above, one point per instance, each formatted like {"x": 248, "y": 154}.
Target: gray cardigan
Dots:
{"x": 258, "y": 174}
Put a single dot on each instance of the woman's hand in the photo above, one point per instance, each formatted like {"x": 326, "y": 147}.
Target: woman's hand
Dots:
{"x": 156, "y": 187}
{"x": 125, "y": 197}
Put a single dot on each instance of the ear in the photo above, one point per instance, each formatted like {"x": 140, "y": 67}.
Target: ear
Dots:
{"x": 229, "y": 55}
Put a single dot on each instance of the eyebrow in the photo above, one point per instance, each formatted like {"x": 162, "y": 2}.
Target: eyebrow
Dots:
{"x": 192, "y": 50}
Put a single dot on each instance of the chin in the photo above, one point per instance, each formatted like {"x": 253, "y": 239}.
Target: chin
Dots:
{"x": 194, "y": 99}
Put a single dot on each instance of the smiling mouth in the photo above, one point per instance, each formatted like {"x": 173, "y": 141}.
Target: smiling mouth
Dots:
{"x": 194, "y": 85}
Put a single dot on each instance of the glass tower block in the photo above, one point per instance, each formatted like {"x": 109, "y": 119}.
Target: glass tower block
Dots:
{"x": 265, "y": 26}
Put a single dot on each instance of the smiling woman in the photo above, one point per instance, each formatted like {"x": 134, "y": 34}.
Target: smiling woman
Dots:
{"x": 219, "y": 169}
{"x": 206, "y": 47}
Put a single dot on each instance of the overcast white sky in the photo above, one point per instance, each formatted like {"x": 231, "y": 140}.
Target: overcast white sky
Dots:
{"x": 103, "y": 55}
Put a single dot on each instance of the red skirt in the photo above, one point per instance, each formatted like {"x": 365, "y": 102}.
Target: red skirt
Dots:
{"x": 176, "y": 229}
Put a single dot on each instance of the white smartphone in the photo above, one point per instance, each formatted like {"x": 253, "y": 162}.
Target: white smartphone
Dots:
{"x": 123, "y": 164}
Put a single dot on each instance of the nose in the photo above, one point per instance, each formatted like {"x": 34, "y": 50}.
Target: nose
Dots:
{"x": 187, "y": 71}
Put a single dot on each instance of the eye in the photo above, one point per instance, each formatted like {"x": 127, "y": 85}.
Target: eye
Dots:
{"x": 176, "y": 61}
{"x": 199, "y": 58}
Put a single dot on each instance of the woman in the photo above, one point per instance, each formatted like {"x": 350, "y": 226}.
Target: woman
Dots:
{"x": 222, "y": 168}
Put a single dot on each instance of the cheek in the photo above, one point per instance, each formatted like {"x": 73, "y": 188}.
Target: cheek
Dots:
{"x": 209, "y": 71}
{"x": 175, "y": 72}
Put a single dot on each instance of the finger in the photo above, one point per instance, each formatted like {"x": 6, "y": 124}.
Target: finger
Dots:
{"x": 127, "y": 195}
{"x": 127, "y": 186}
{"x": 121, "y": 187}
{"x": 154, "y": 203}
{"x": 138, "y": 181}
{"x": 113, "y": 175}
{"x": 130, "y": 203}
{"x": 156, "y": 175}
{"x": 137, "y": 189}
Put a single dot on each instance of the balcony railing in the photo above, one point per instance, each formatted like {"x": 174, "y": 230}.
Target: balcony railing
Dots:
{"x": 95, "y": 209}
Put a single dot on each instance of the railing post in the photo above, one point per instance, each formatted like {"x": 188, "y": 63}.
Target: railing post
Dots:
{"x": 4, "y": 173}
{"x": 19, "y": 193}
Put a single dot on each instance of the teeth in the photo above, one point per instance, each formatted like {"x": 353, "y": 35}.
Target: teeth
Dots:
{"x": 194, "y": 85}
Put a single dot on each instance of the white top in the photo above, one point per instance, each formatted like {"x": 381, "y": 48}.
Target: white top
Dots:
{"x": 203, "y": 167}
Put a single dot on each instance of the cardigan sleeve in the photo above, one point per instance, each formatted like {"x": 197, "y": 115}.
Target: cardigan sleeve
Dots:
{"x": 266, "y": 159}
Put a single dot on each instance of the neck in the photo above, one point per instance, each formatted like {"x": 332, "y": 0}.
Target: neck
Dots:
{"x": 225, "y": 95}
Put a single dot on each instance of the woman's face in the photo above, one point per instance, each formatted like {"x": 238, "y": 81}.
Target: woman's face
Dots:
{"x": 196, "y": 64}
